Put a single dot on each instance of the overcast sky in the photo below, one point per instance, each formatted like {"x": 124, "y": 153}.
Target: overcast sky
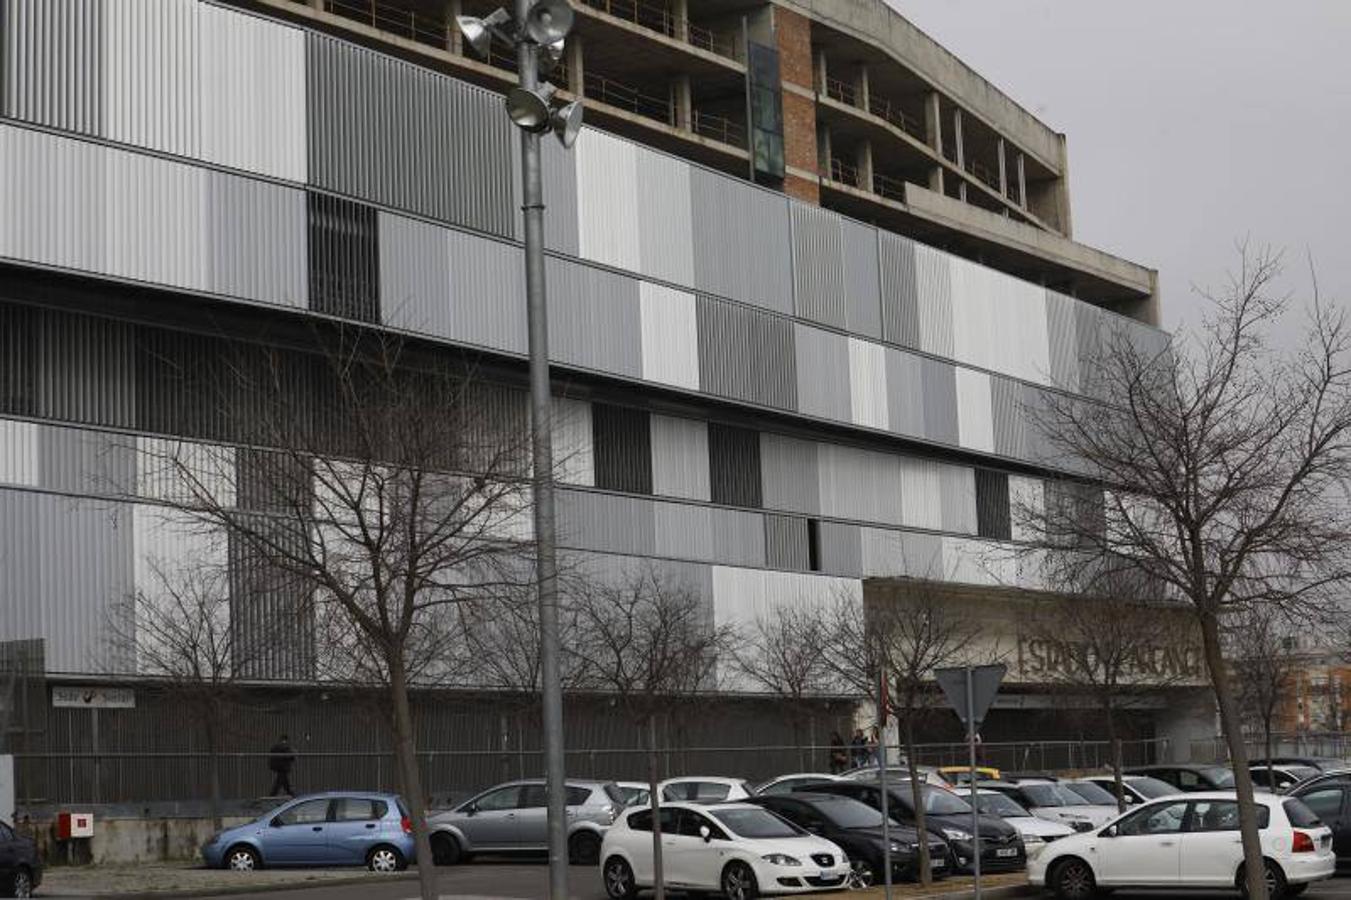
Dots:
{"x": 1191, "y": 123}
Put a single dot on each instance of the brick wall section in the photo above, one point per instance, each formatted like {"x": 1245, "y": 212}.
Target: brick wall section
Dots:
{"x": 794, "y": 34}
{"x": 802, "y": 189}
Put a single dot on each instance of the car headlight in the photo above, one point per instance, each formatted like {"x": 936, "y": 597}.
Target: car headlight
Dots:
{"x": 897, "y": 848}
{"x": 1033, "y": 839}
{"x": 780, "y": 859}
{"x": 956, "y": 834}
{"x": 214, "y": 839}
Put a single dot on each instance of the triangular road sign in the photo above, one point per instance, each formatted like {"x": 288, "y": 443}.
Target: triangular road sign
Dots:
{"x": 985, "y": 682}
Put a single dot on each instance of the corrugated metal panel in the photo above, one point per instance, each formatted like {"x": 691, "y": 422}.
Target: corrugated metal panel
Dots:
{"x": 94, "y": 463}
{"x": 786, "y": 543}
{"x": 680, "y": 458}
{"x": 921, "y": 493}
{"x": 1063, "y": 341}
{"x": 160, "y": 463}
{"x": 746, "y": 354}
{"x": 152, "y": 83}
{"x": 253, "y": 94}
{"x": 939, "y": 384}
{"x": 974, "y": 340}
{"x": 1091, "y": 334}
{"x": 1006, "y": 403}
{"x": 684, "y": 531}
{"x": 594, "y": 318}
{"x": 398, "y": 134}
{"x": 900, "y": 289}
{"x": 738, "y": 537}
{"x": 574, "y": 453}
{"x": 607, "y": 200}
{"x": 85, "y": 371}
{"x": 992, "y": 505}
{"x": 53, "y": 210}
{"x": 861, "y": 278}
{"x": 666, "y": 231}
{"x": 1025, "y": 319}
{"x": 863, "y": 485}
{"x": 841, "y": 549}
{"x": 734, "y": 465}
{"x": 742, "y": 240}
{"x": 18, "y": 453}
{"x": 670, "y": 336}
{"x": 973, "y": 410}
{"x": 789, "y": 477}
{"x": 822, "y": 372}
{"x": 868, "y": 384}
{"x": 559, "y": 166}
{"x": 883, "y": 553}
{"x": 923, "y": 555}
{"x": 606, "y": 522}
{"x": 818, "y": 265}
{"x": 1027, "y": 506}
{"x": 959, "y": 498}
{"x": 622, "y": 442}
{"x": 933, "y": 287}
{"x": 155, "y": 210}
{"x": 905, "y": 393}
{"x": 741, "y": 596}
{"x": 344, "y": 257}
{"x": 51, "y": 63}
{"x": 256, "y": 240}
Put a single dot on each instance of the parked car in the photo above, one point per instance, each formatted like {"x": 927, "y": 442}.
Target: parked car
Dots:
{"x": 928, "y": 774}
{"x": 945, "y": 815}
{"x": 1137, "y": 788}
{"x": 1036, "y": 832}
{"x": 856, "y": 828}
{"x": 1280, "y": 778}
{"x": 1094, "y": 793}
{"x": 704, "y": 789}
{"x": 1192, "y": 842}
{"x": 20, "y": 868}
{"x": 1188, "y": 778}
{"x": 1332, "y": 776}
{"x": 338, "y": 828}
{"x": 1331, "y": 802}
{"x": 513, "y": 818}
{"x": 786, "y": 783}
{"x": 962, "y": 774}
{"x": 635, "y": 793}
{"x": 1321, "y": 763}
{"x": 1056, "y": 803}
{"x": 739, "y": 849}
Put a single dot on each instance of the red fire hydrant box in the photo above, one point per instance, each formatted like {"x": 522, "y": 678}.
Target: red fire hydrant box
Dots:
{"x": 74, "y": 825}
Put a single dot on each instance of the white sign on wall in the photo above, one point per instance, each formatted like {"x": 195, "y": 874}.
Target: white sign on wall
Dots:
{"x": 93, "y": 697}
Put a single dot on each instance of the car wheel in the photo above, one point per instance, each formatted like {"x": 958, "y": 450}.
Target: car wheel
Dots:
{"x": 242, "y": 859}
{"x": 1073, "y": 880}
{"x": 21, "y": 884}
{"x": 619, "y": 883}
{"x": 861, "y": 875}
{"x": 445, "y": 849}
{"x": 584, "y": 849}
{"x": 738, "y": 882}
{"x": 1276, "y": 886}
{"x": 384, "y": 859}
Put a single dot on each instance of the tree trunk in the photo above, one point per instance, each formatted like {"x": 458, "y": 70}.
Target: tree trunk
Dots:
{"x": 405, "y": 751}
{"x": 797, "y": 739}
{"x": 213, "y": 763}
{"x": 1231, "y": 727}
{"x": 1114, "y": 743}
{"x": 917, "y": 801}
{"x": 658, "y": 879}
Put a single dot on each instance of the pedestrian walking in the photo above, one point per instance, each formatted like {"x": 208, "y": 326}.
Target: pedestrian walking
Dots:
{"x": 280, "y": 759}
{"x": 858, "y": 749}
{"x": 839, "y": 754}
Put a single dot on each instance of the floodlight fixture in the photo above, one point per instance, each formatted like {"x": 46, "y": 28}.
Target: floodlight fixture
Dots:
{"x": 548, "y": 21}
{"x": 478, "y": 33}
{"x": 529, "y": 109}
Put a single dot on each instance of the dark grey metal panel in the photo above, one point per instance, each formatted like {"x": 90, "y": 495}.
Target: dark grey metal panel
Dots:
{"x": 51, "y": 63}
{"x": 606, "y": 522}
{"x": 992, "y": 505}
{"x": 256, "y": 240}
{"x": 939, "y": 381}
{"x": 1006, "y": 405}
{"x": 786, "y": 543}
{"x": 861, "y": 278}
{"x": 560, "y": 196}
{"x": 900, "y": 289}
{"x": 398, "y": 134}
{"x": 344, "y": 257}
{"x": 789, "y": 474}
{"x": 741, "y": 241}
{"x": 746, "y": 354}
{"x": 595, "y": 320}
{"x": 97, "y": 463}
{"x": 738, "y": 537}
{"x": 905, "y": 392}
{"x": 818, "y": 265}
{"x": 734, "y": 465}
{"x": 85, "y": 370}
{"x": 271, "y": 618}
{"x": 822, "y": 372}
{"x": 841, "y": 549}
{"x": 622, "y": 448}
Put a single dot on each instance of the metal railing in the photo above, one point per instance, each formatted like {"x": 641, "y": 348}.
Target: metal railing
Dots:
{"x": 843, "y": 172}
{"x": 718, "y": 128}
{"x": 839, "y": 90}
{"x": 425, "y": 28}
{"x": 629, "y": 98}
{"x": 885, "y": 109}
{"x": 889, "y": 187}
{"x": 984, "y": 173}
{"x": 659, "y": 18}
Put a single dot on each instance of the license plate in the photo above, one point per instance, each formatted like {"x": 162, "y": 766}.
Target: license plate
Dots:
{"x": 1006, "y": 852}
{"x": 937, "y": 863}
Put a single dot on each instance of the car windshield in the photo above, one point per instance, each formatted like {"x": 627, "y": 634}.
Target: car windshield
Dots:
{"x": 999, "y": 805}
{"x": 1302, "y": 772}
{"x": 847, "y": 812}
{"x": 755, "y": 823}
{"x": 938, "y": 802}
{"x": 1052, "y": 795}
{"x": 1150, "y": 788}
{"x": 1300, "y": 815}
{"x": 1220, "y": 776}
{"x": 1092, "y": 793}
{"x": 616, "y": 794}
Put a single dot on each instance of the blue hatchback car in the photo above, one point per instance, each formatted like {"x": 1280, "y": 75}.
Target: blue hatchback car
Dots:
{"x": 338, "y": 828}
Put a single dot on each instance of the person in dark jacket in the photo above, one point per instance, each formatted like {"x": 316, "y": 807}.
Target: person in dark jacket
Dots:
{"x": 280, "y": 759}
{"x": 858, "y": 749}
{"x": 839, "y": 756}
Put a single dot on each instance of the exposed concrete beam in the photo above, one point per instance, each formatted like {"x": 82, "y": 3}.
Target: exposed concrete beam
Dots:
{"x": 960, "y": 149}
{"x": 863, "y": 159}
{"x": 861, "y": 87}
{"x": 576, "y": 66}
{"x": 1022, "y": 180}
{"x": 683, "y": 96}
{"x": 933, "y": 122}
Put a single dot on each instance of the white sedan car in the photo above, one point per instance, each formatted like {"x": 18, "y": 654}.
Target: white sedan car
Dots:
{"x": 739, "y": 850}
{"x": 1188, "y": 841}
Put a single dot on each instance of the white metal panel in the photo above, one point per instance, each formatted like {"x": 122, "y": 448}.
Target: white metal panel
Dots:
{"x": 253, "y": 94}
{"x": 18, "y": 452}
{"x": 670, "y": 336}
{"x": 51, "y": 199}
{"x": 666, "y": 236}
{"x": 975, "y": 418}
{"x": 1027, "y": 499}
{"x": 574, "y": 450}
{"x": 862, "y": 485}
{"x": 740, "y": 596}
{"x": 155, "y": 216}
{"x": 152, "y": 81}
{"x": 883, "y": 553}
{"x": 933, "y": 284}
{"x": 680, "y": 457}
{"x": 607, "y": 200}
{"x": 921, "y": 493}
{"x": 868, "y": 384}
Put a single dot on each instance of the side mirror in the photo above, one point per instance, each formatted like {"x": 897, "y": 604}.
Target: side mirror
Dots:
{"x": 275, "y": 823}
{"x": 815, "y": 827}
{"x": 705, "y": 833}
{"x": 470, "y": 809}
{"x": 1110, "y": 832}
{"x": 1129, "y": 800}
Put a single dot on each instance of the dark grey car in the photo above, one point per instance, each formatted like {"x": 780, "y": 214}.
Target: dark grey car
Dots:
{"x": 512, "y": 818}
{"x": 20, "y": 868}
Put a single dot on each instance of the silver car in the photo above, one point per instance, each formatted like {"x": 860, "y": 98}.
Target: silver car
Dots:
{"x": 512, "y": 818}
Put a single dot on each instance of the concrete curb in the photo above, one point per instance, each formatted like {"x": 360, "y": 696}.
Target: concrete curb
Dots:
{"x": 231, "y": 890}
{"x": 1005, "y": 892}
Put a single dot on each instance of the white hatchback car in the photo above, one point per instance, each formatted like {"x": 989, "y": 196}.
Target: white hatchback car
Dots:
{"x": 1188, "y": 841}
{"x": 703, "y": 789}
{"x": 1036, "y": 832}
{"x": 740, "y": 850}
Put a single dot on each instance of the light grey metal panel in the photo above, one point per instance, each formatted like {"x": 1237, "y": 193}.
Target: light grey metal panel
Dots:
{"x": 608, "y": 230}
{"x": 822, "y": 372}
{"x": 594, "y": 318}
{"x": 18, "y": 452}
{"x": 256, "y": 238}
{"x": 746, "y": 354}
{"x": 861, "y": 278}
{"x": 742, "y": 240}
{"x": 864, "y": 485}
{"x": 905, "y": 393}
{"x": 883, "y": 555}
{"x": 560, "y": 197}
{"x": 738, "y": 537}
{"x": 85, "y": 370}
{"x": 818, "y": 265}
{"x": 51, "y": 63}
{"x": 680, "y": 457}
{"x": 1090, "y": 334}
{"x": 958, "y": 486}
{"x": 789, "y": 477}
{"x": 939, "y": 382}
{"x": 395, "y": 133}
{"x": 606, "y": 522}
{"x": 665, "y": 229}
{"x": 53, "y": 210}
{"x": 923, "y": 555}
{"x": 79, "y": 461}
{"x": 684, "y": 531}
{"x": 933, "y": 285}
{"x": 841, "y": 549}
{"x": 786, "y": 543}
{"x": 1006, "y": 404}
{"x": 152, "y": 85}
{"x": 1063, "y": 340}
{"x": 415, "y": 275}
{"x": 900, "y": 289}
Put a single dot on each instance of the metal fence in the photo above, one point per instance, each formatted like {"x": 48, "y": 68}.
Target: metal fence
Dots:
{"x": 1331, "y": 745}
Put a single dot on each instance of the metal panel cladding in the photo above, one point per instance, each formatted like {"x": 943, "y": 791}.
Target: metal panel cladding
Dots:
{"x": 862, "y": 279}
{"x": 255, "y": 240}
{"x": 933, "y": 282}
{"x": 1006, "y": 403}
{"x": 665, "y": 227}
{"x": 680, "y": 458}
{"x": 786, "y": 545}
{"x": 789, "y": 475}
{"x": 19, "y": 453}
{"x": 938, "y": 381}
{"x": 1062, "y": 336}
{"x": 734, "y": 465}
{"x": 344, "y": 257}
{"x": 868, "y": 384}
{"x": 152, "y": 76}
{"x": 560, "y": 196}
{"x": 670, "y": 336}
{"x": 822, "y": 372}
{"x": 606, "y": 522}
{"x": 905, "y": 392}
{"x": 900, "y": 290}
{"x": 818, "y": 265}
{"x": 607, "y": 200}
{"x": 973, "y": 410}
{"x": 746, "y": 354}
{"x": 85, "y": 370}
{"x": 51, "y": 63}
{"x": 394, "y": 133}
{"x": 594, "y": 318}
{"x": 741, "y": 241}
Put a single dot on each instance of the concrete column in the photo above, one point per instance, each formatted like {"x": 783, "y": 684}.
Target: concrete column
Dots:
{"x": 861, "y": 88}
{"x": 933, "y": 123}
{"x": 936, "y": 179}
{"x": 1022, "y": 180}
{"x": 960, "y": 148}
{"x": 820, "y": 71}
{"x": 1003, "y": 169}
{"x": 683, "y": 101}
{"x": 863, "y": 160}
{"x": 576, "y": 67}
{"x": 454, "y": 39}
{"x": 680, "y": 11}
{"x": 317, "y": 5}
{"x": 823, "y": 149}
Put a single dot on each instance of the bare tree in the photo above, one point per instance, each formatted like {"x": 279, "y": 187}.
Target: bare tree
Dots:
{"x": 386, "y": 484}
{"x": 1264, "y": 660}
{"x": 785, "y": 655}
{"x": 1212, "y": 468}
{"x": 647, "y": 639}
